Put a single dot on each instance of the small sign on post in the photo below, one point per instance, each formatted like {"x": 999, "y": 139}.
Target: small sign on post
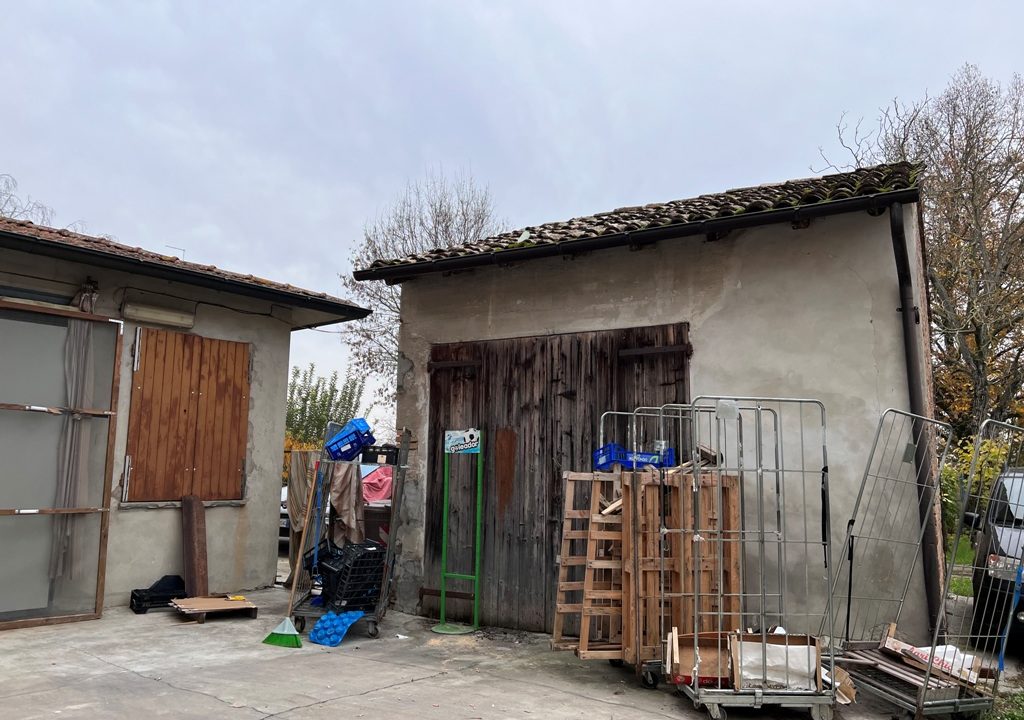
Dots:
{"x": 460, "y": 442}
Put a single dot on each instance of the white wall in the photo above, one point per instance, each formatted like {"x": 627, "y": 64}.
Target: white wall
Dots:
{"x": 773, "y": 311}
{"x": 145, "y": 543}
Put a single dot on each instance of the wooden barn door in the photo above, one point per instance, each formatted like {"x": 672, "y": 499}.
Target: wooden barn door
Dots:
{"x": 538, "y": 400}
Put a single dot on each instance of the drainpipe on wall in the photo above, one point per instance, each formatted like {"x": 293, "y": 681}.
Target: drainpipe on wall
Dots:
{"x": 911, "y": 320}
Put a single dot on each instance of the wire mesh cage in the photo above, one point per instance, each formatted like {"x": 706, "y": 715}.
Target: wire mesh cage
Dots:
{"x": 746, "y": 555}
{"x": 951, "y": 664}
{"x": 985, "y": 550}
{"x": 881, "y": 555}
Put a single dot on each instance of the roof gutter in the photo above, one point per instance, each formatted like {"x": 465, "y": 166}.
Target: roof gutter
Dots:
{"x": 910, "y": 316}
{"x": 35, "y": 246}
{"x": 876, "y": 202}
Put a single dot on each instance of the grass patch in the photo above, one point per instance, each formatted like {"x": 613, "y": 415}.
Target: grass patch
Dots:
{"x": 1008, "y": 707}
{"x": 961, "y": 586}
{"x": 963, "y": 554}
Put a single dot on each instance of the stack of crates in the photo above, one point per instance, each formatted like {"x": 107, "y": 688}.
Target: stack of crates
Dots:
{"x": 352, "y": 576}
{"x": 350, "y": 441}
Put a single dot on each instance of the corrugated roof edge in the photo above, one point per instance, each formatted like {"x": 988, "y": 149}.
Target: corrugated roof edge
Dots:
{"x": 101, "y": 252}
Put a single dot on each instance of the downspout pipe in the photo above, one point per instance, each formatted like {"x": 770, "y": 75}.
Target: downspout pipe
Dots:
{"x": 910, "y": 315}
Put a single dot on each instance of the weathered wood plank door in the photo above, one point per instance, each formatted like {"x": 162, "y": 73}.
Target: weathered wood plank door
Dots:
{"x": 538, "y": 400}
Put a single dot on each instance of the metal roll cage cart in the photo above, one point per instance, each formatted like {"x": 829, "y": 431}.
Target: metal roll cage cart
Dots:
{"x": 304, "y": 600}
{"x": 959, "y": 672}
{"x": 745, "y": 571}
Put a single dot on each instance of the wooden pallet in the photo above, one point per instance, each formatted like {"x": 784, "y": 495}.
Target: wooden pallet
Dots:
{"x": 589, "y": 596}
{"x": 713, "y": 546}
{"x": 613, "y": 563}
{"x": 197, "y": 608}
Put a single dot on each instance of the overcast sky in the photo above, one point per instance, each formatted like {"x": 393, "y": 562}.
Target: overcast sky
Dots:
{"x": 261, "y": 136}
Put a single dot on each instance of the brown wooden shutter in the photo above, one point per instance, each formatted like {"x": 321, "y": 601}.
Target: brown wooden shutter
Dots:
{"x": 188, "y": 425}
{"x": 223, "y": 427}
{"x": 161, "y": 430}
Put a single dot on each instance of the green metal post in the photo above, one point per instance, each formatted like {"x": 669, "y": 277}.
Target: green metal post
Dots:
{"x": 445, "y": 627}
{"x": 479, "y": 531}
{"x": 444, "y": 543}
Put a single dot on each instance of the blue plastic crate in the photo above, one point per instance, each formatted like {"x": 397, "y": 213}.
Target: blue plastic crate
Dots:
{"x": 607, "y": 456}
{"x": 349, "y": 443}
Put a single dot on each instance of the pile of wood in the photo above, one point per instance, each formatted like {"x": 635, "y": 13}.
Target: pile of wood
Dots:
{"x": 624, "y": 584}
{"x": 906, "y": 664}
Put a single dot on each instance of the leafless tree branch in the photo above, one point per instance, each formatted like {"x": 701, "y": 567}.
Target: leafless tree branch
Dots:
{"x": 437, "y": 211}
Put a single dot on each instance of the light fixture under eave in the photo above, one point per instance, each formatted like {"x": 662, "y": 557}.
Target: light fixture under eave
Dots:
{"x": 158, "y": 315}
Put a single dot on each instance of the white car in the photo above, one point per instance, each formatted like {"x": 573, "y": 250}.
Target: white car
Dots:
{"x": 285, "y": 526}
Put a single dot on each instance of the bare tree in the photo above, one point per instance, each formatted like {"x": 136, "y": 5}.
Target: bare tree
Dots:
{"x": 13, "y": 206}
{"x": 434, "y": 212}
{"x": 970, "y": 139}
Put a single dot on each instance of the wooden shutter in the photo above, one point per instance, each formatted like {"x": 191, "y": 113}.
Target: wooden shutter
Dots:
{"x": 188, "y": 425}
{"x": 162, "y": 419}
{"x": 223, "y": 427}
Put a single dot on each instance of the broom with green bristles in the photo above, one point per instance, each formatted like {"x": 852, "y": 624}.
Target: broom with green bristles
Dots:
{"x": 284, "y": 635}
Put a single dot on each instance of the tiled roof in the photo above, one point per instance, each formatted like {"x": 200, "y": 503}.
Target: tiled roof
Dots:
{"x": 184, "y": 271}
{"x": 760, "y": 199}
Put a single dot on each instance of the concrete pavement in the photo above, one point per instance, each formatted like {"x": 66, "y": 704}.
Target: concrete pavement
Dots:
{"x": 138, "y": 667}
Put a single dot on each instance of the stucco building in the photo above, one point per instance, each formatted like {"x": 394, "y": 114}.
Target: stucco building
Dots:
{"x": 808, "y": 288}
{"x": 129, "y": 379}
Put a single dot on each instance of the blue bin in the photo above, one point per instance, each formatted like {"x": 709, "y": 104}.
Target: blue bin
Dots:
{"x": 349, "y": 443}
{"x": 607, "y": 456}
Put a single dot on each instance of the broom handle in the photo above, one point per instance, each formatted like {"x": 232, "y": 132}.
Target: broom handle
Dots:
{"x": 296, "y": 572}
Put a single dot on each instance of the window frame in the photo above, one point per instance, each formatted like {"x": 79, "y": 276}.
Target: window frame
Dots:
{"x": 104, "y": 510}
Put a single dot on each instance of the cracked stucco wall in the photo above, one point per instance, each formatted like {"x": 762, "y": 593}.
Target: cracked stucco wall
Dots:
{"x": 773, "y": 311}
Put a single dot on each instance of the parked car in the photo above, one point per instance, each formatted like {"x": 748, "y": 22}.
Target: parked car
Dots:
{"x": 998, "y": 555}
{"x": 285, "y": 526}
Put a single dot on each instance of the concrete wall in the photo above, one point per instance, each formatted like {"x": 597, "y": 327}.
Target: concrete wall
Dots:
{"x": 773, "y": 311}
{"x": 145, "y": 542}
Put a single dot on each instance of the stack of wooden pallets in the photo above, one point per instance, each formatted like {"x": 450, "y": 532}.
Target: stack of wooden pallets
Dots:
{"x": 624, "y": 581}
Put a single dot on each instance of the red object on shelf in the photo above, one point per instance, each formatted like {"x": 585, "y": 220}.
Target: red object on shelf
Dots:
{"x": 377, "y": 484}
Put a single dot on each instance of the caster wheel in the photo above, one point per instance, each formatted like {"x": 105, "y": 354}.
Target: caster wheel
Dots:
{"x": 300, "y": 624}
{"x": 616, "y": 663}
{"x": 649, "y": 680}
{"x": 717, "y": 712}
{"x": 372, "y": 630}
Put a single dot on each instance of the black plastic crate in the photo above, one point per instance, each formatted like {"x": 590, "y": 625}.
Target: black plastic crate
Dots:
{"x": 325, "y": 550}
{"x": 380, "y": 455}
{"x": 353, "y": 577}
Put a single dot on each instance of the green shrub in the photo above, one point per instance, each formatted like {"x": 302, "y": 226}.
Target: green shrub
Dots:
{"x": 991, "y": 457}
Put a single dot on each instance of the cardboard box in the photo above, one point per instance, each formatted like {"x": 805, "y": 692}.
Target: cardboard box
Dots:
{"x": 948, "y": 662}
{"x": 708, "y": 653}
{"x": 782, "y": 662}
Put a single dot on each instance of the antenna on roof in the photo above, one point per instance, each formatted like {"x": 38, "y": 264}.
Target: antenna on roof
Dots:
{"x": 179, "y": 249}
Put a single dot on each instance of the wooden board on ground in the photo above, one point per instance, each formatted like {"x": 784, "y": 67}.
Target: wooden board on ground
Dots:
{"x": 198, "y": 608}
